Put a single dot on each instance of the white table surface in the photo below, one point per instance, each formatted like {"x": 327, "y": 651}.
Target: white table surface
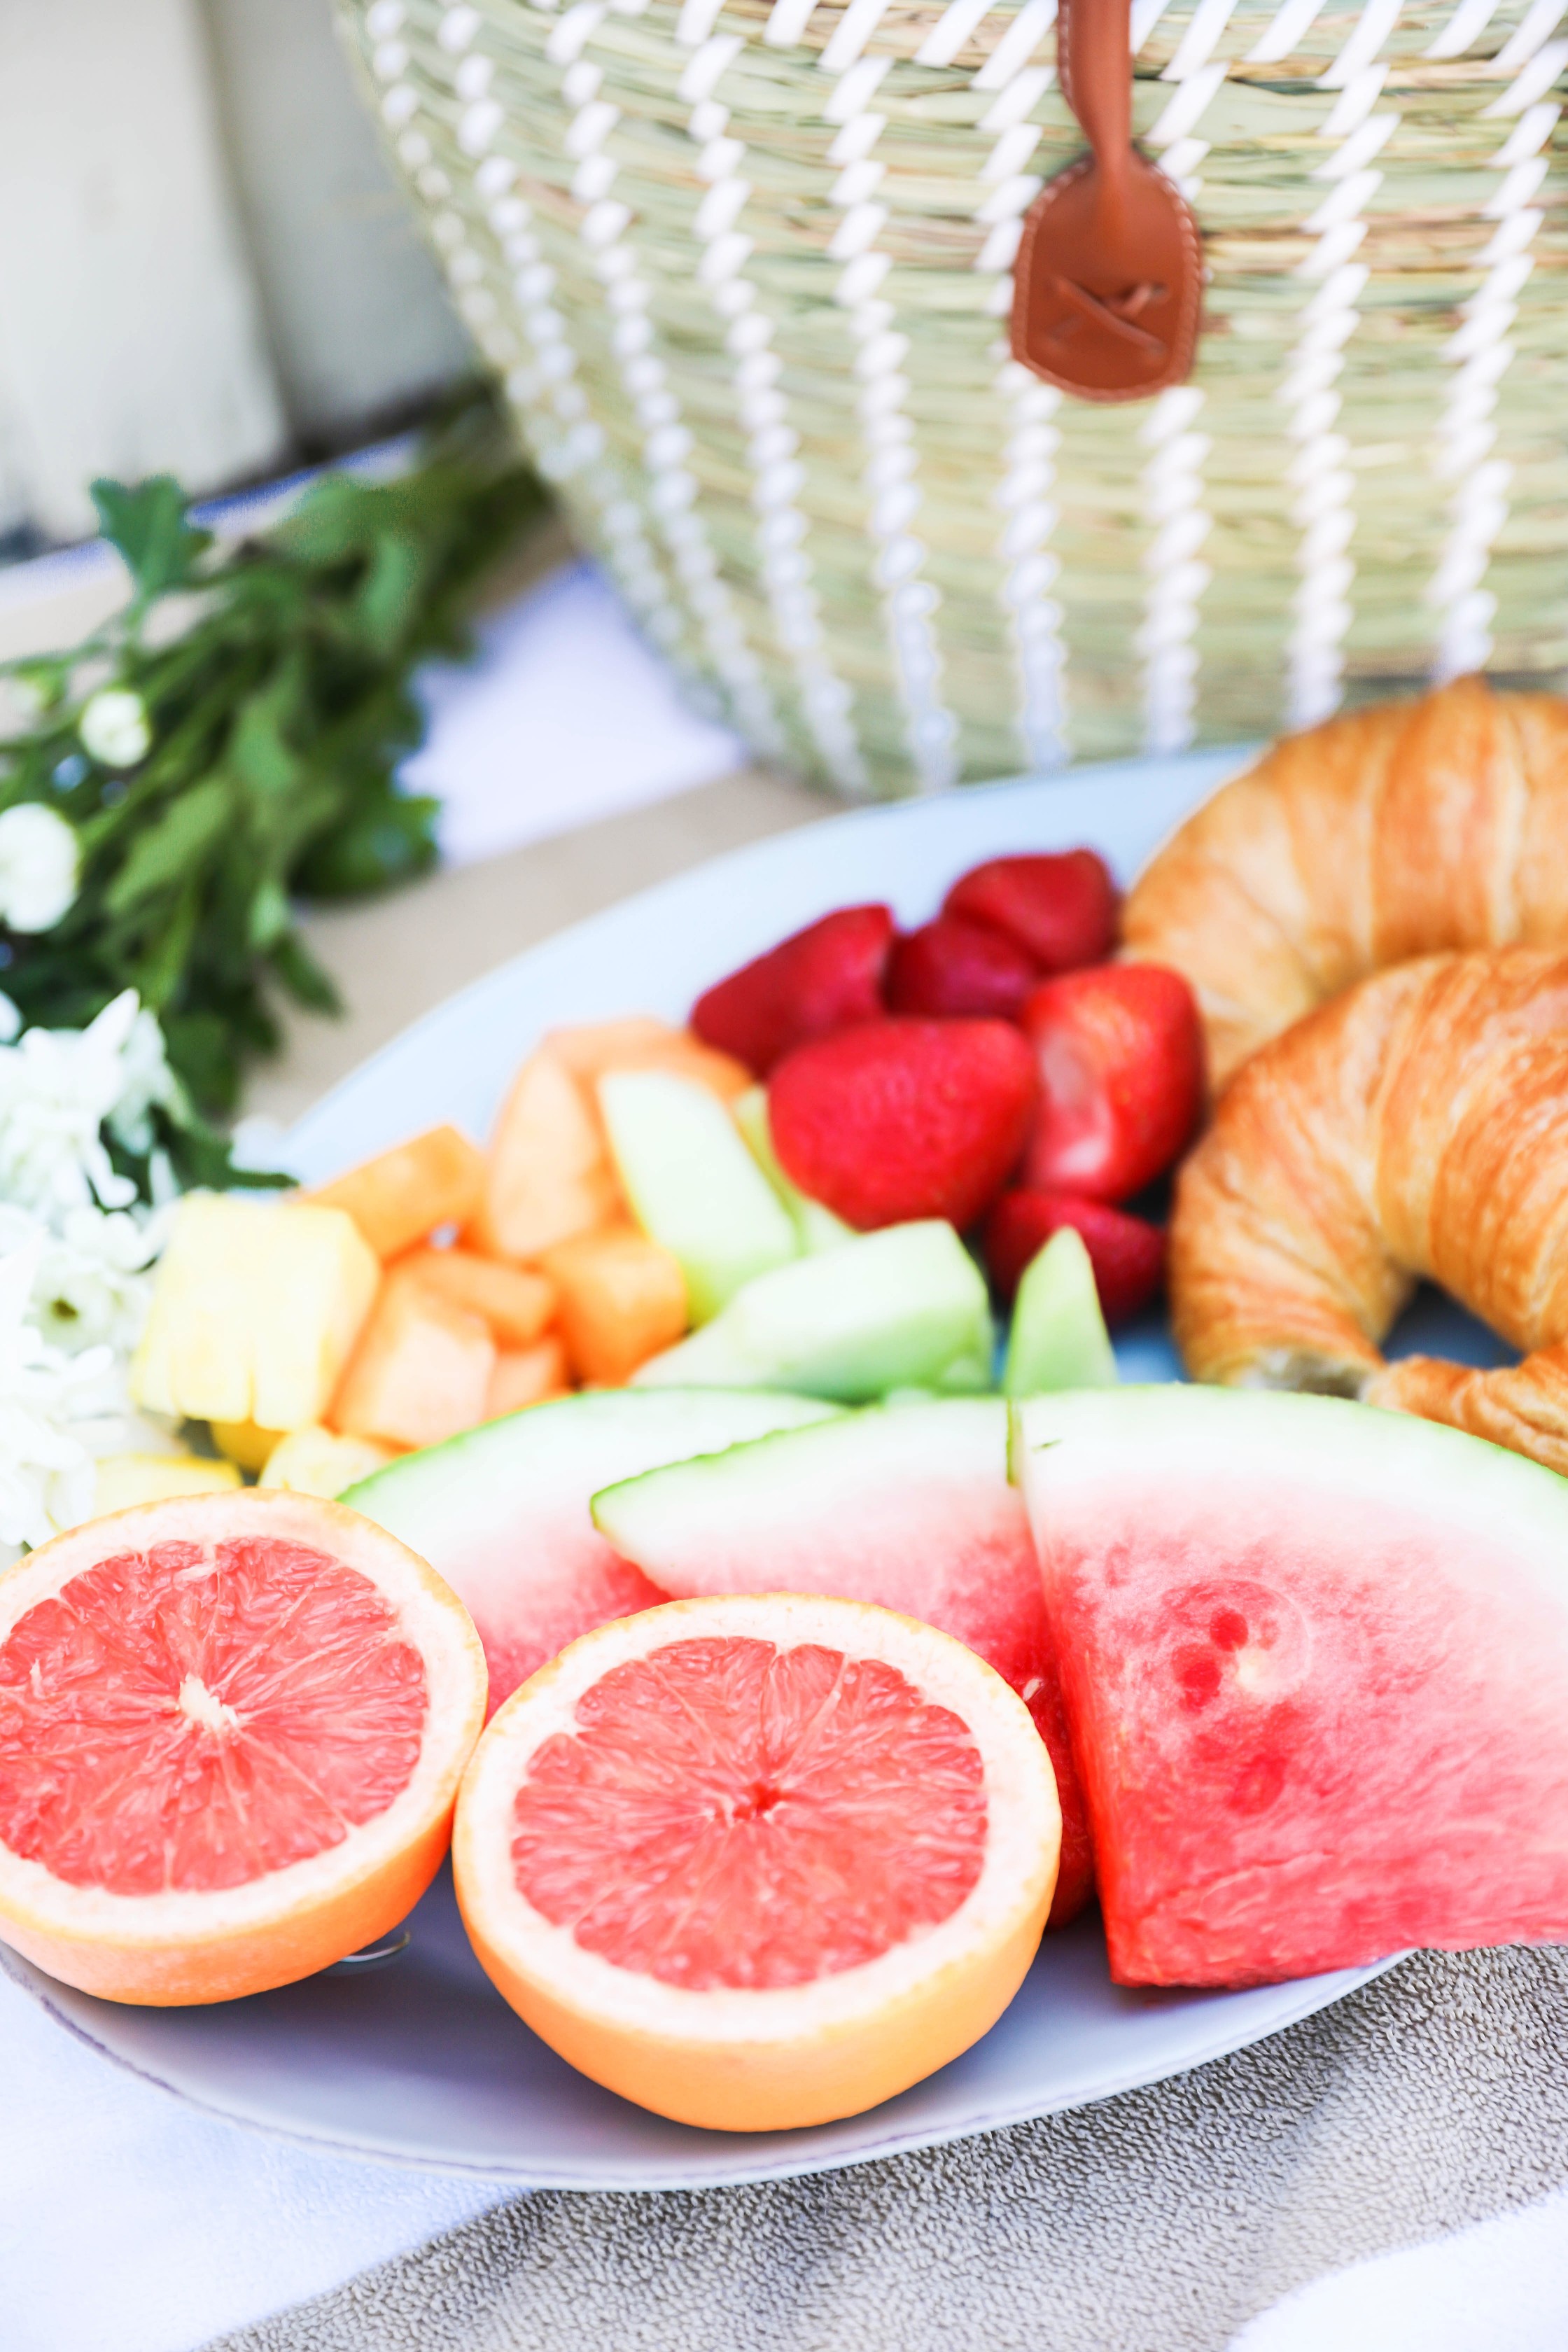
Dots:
{"x": 130, "y": 2223}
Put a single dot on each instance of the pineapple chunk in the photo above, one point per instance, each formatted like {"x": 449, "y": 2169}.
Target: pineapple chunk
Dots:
{"x": 126, "y": 1479}
{"x": 317, "y": 1460}
{"x": 243, "y": 1443}
{"x": 256, "y": 1310}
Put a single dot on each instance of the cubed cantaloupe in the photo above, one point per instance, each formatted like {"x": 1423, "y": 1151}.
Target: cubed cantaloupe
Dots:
{"x": 257, "y": 1308}
{"x": 622, "y": 1299}
{"x": 421, "y": 1371}
{"x": 594, "y": 1049}
{"x": 404, "y": 1195}
{"x": 317, "y": 1460}
{"x": 124, "y": 1479}
{"x": 550, "y": 1174}
{"x": 517, "y": 1305}
{"x": 525, "y": 1376}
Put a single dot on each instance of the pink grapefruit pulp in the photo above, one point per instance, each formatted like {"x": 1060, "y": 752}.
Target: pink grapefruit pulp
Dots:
{"x": 231, "y": 1728}
{"x": 759, "y": 1862}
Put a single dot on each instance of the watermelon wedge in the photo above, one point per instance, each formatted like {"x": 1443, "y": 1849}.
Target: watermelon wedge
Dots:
{"x": 906, "y": 1505}
{"x": 501, "y": 1512}
{"x": 1316, "y": 1666}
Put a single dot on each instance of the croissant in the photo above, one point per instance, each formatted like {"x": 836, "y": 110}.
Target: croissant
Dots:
{"x": 1389, "y": 833}
{"x": 1413, "y": 1128}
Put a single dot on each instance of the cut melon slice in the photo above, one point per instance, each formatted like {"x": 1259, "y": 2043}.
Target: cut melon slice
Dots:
{"x": 398, "y": 1198}
{"x": 815, "y": 1225}
{"x": 421, "y": 1372}
{"x": 517, "y": 1305}
{"x": 526, "y": 1376}
{"x": 1316, "y": 1663}
{"x": 502, "y": 1513}
{"x": 549, "y": 1176}
{"x": 622, "y": 1299}
{"x": 907, "y": 1505}
{"x": 693, "y": 1185}
{"x": 905, "y": 1308}
{"x": 1059, "y": 1338}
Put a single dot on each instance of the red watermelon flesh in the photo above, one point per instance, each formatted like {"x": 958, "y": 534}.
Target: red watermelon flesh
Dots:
{"x": 907, "y": 1505}
{"x": 501, "y": 1512}
{"x": 1316, "y": 1666}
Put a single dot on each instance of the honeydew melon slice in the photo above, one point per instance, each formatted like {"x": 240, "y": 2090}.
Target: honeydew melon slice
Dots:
{"x": 907, "y": 1505}
{"x": 693, "y": 1184}
{"x": 1316, "y": 1664}
{"x": 1059, "y": 1338}
{"x": 814, "y": 1222}
{"x": 501, "y": 1512}
{"x": 905, "y": 1308}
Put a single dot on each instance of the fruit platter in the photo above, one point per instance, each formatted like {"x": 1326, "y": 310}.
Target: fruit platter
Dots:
{"x": 722, "y": 1353}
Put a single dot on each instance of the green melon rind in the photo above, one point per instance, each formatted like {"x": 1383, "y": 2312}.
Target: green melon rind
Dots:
{"x": 1175, "y": 1428}
{"x": 422, "y": 1496}
{"x": 905, "y": 1308}
{"x": 694, "y": 1185}
{"x": 841, "y": 1459}
{"x": 816, "y": 1225}
{"x": 1059, "y": 1338}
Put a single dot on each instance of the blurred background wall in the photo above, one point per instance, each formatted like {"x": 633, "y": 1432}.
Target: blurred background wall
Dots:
{"x": 208, "y": 270}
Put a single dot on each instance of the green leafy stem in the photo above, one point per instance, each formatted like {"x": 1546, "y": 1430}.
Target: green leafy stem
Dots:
{"x": 280, "y": 707}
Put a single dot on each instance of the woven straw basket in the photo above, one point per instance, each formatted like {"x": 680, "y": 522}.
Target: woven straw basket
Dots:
{"x": 744, "y": 267}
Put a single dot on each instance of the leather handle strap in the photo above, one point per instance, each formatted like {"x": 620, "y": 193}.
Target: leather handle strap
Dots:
{"x": 1094, "y": 60}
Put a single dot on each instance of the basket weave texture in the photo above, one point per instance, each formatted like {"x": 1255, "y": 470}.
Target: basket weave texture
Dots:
{"x": 744, "y": 267}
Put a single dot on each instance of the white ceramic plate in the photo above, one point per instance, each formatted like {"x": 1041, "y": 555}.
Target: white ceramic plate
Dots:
{"x": 420, "y": 2061}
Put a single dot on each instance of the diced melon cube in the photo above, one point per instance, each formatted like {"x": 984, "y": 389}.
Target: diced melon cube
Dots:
{"x": 592, "y": 1051}
{"x": 256, "y": 1310}
{"x": 516, "y": 1303}
{"x": 124, "y": 1479}
{"x": 550, "y": 1175}
{"x": 420, "y": 1373}
{"x": 319, "y": 1461}
{"x": 693, "y": 1184}
{"x": 243, "y": 1443}
{"x": 525, "y": 1376}
{"x": 405, "y": 1194}
{"x": 623, "y": 1299}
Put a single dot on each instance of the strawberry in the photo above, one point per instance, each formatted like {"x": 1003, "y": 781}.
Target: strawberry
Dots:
{"x": 1127, "y": 1253}
{"x": 1121, "y": 1078}
{"x": 904, "y": 1119}
{"x": 816, "y": 980}
{"x": 955, "y": 967}
{"x": 1061, "y": 910}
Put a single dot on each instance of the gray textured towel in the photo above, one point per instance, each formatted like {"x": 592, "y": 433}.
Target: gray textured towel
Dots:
{"x": 1160, "y": 2221}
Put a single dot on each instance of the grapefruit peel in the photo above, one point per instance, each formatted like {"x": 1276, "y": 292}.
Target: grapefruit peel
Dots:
{"x": 198, "y": 1945}
{"x": 739, "y": 2059}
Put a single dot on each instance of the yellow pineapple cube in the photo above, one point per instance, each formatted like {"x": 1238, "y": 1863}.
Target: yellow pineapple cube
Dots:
{"x": 317, "y": 1460}
{"x": 126, "y": 1479}
{"x": 243, "y": 1443}
{"x": 256, "y": 1310}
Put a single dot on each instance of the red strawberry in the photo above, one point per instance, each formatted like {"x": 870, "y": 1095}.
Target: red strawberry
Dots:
{"x": 1128, "y": 1255}
{"x": 904, "y": 1119}
{"x": 953, "y": 967}
{"x": 1121, "y": 1078}
{"x": 816, "y": 980}
{"x": 1062, "y": 909}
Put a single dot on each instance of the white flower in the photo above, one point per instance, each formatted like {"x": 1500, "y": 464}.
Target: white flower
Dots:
{"x": 57, "y": 1412}
{"x": 39, "y": 866}
{"x": 114, "y": 727}
{"x": 57, "y": 1088}
{"x": 91, "y": 1287}
{"x": 10, "y": 1018}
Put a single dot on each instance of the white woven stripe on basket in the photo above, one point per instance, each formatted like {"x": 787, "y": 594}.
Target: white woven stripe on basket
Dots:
{"x": 773, "y": 442}
{"x": 1481, "y": 352}
{"x": 688, "y": 407}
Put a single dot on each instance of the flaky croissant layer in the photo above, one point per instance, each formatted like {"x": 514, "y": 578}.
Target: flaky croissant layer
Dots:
{"x": 1415, "y": 1127}
{"x": 1386, "y": 834}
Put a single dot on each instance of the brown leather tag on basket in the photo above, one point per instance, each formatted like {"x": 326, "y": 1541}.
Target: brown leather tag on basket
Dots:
{"x": 1109, "y": 272}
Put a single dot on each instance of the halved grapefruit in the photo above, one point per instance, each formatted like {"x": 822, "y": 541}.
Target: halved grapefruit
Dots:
{"x": 1316, "y": 1662}
{"x": 232, "y": 1729}
{"x": 763, "y": 1862}
{"x": 907, "y": 1506}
